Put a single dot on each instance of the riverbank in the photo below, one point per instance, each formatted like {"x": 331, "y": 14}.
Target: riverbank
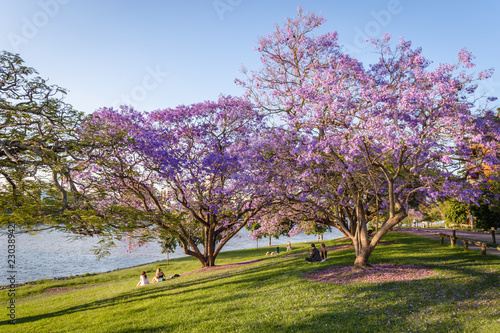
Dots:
{"x": 272, "y": 294}
{"x": 49, "y": 255}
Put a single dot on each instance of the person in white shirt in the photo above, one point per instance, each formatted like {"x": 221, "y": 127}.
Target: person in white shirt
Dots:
{"x": 143, "y": 279}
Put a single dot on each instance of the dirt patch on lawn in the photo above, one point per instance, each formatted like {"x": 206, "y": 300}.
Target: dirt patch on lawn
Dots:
{"x": 58, "y": 289}
{"x": 376, "y": 274}
{"x": 216, "y": 268}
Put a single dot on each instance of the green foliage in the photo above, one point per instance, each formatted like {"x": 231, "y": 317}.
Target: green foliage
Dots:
{"x": 435, "y": 211}
{"x": 37, "y": 145}
{"x": 102, "y": 250}
{"x": 168, "y": 242}
{"x": 486, "y": 216}
{"x": 456, "y": 212}
{"x": 281, "y": 229}
{"x": 311, "y": 228}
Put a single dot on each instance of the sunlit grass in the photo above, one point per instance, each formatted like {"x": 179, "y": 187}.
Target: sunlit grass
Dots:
{"x": 271, "y": 296}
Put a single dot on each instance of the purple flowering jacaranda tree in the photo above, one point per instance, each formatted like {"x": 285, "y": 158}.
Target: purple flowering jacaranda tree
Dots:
{"x": 357, "y": 143}
{"x": 187, "y": 171}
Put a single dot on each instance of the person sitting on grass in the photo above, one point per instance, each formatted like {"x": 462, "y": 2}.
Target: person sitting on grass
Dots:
{"x": 159, "y": 276}
{"x": 288, "y": 246}
{"x": 322, "y": 251}
{"x": 143, "y": 280}
{"x": 314, "y": 254}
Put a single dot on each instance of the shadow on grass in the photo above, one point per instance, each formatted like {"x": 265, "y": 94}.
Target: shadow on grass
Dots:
{"x": 153, "y": 291}
{"x": 194, "y": 283}
{"x": 361, "y": 307}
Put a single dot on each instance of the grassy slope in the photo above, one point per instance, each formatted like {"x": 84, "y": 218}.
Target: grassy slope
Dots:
{"x": 271, "y": 296}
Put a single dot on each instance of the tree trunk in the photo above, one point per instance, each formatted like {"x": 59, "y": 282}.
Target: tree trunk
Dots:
{"x": 210, "y": 246}
{"x": 269, "y": 240}
{"x": 207, "y": 258}
{"x": 361, "y": 242}
{"x": 209, "y": 262}
{"x": 209, "y": 252}
{"x": 361, "y": 261}
{"x": 364, "y": 247}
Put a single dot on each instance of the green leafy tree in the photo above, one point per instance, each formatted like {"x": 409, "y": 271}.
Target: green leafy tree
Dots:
{"x": 486, "y": 216}
{"x": 456, "y": 213}
{"x": 314, "y": 228}
{"x": 37, "y": 146}
{"x": 282, "y": 229}
{"x": 168, "y": 243}
{"x": 434, "y": 211}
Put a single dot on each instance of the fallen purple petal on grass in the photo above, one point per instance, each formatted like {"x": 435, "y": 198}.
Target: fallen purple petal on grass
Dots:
{"x": 378, "y": 273}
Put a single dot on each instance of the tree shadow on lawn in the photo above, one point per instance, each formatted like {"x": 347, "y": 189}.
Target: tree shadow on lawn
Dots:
{"x": 127, "y": 297}
{"x": 398, "y": 304}
{"x": 276, "y": 272}
{"x": 440, "y": 257}
{"x": 436, "y": 291}
{"x": 361, "y": 307}
{"x": 185, "y": 321}
{"x": 279, "y": 268}
{"x": 252, "y": 275}
{"x": 177, "y": 286}
{"x": 393, "y": 306}
{"x": 379, "y": 319}
{"x": 152, "y": 291}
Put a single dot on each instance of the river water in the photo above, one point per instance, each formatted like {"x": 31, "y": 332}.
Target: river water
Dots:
{"x": 55, "y": 254}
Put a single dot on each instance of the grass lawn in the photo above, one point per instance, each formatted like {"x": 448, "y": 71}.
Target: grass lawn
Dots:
{"x": 271, "y": 296}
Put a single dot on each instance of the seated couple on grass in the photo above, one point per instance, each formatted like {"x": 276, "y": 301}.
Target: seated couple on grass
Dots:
{"x": 157, "y": 278}
{"x": 317, "y": 255}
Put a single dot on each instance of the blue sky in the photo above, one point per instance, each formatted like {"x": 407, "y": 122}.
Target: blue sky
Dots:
{"x": 157, "y": 54}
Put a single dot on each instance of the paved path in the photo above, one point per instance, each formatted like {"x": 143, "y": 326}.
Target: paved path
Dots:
{"x": 474, "y": 235}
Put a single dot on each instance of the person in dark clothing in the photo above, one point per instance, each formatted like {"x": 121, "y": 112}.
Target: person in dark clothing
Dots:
{"x": 314, "y": 254}
{"x": 322, "y": 251}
